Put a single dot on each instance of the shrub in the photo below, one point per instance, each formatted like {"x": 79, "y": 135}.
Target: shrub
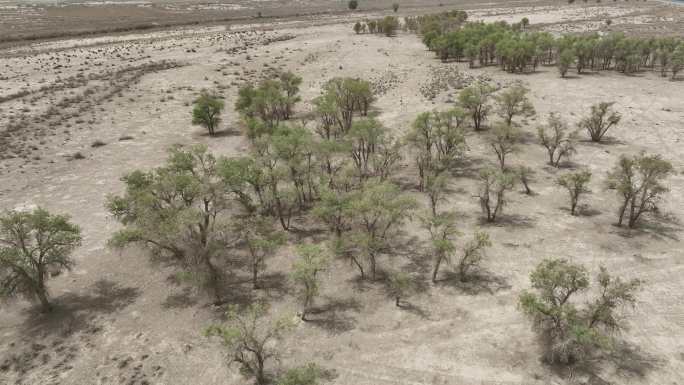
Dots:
{"x": 576, "y": 185}
{"x": 555, "y": 138}
{"x": 600, "y": 120}
{"x": 248, "y": 336}
{"x": 303, "y": 375}
{"x": 400, "y": 286}
{"x": 473, "y": 254}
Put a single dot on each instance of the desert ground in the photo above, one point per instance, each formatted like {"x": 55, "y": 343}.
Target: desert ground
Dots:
{"x": 121, "y": 317}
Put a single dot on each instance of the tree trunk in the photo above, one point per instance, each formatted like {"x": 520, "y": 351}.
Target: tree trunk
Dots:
{"x": 436, "y": 269}
{"x": 46, "y": 307}
{"x": 255, "y": 273}
{"x": 622, "y": 211}
{"x": 260, "y": 375}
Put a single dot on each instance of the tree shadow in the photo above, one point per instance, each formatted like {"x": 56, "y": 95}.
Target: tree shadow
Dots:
{"x": 315, "y": 233}
{"x": 605, "y": 141}
{"x": 527, "y": 137}
{"x": 333, "y": 316}
{"x": 182, "y": 300}
{"x": 632, "y": 360}
{"x": 512, "y": 220}
{"x": 469, "y": 167}
{"x": 478, "y": 282}
{"x": 586, "y": 211}
{"x": 77, "y": 312}
{"x": 659, "y": 226}
{"x": 627, "y": 360}
{"x": 581, "y": 211}
{"x": 414, "y": 309}
{"x": 274, "y": 285}
{"x": 228, "y": 132}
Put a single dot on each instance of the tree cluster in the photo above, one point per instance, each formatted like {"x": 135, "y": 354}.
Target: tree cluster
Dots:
{"x": 515, "y": 49}
{"x": 387, "y": 26}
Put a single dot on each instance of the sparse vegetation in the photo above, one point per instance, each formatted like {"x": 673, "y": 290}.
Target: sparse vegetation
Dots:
{"x": 328, "y": 200}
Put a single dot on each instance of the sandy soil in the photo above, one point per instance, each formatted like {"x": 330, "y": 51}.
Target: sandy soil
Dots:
{"x": 122, "y": 319}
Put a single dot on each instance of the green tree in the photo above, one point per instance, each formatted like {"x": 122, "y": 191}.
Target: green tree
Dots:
{"x": 438, "y": 141}
{"x": 399, "y": 286}
{"x": 576, "y": 185}
{"x": 443, "y": 232}
{"x": 342, "y": 99}
{"x": 264, "y": 107}
{"x": 262, "y": 241}
{"x": 335, "y": 209}
{"x": 379, "y": 209}
{"x": 473, "y": 254}
{"x": 175, "y": 210}
{"x": 353, "y": 4}
{"x": 601, "y": 118}
{"x": 677, "y": 60}
{"x": 365, "y": 137}
{"x": 475, "y": 100}
{"x": 568, "y": 333}
{"x": 513, "y": 102}
{"x": 207, "y": 112}
{"x": 435, "y": 189}
{"x": 639, "y": 182}
{"x": 493, "y": 187}
{"x": 358, "y": 27}
{"x": 504, "y": 141}
{"x": 248, "y": 337}
{"x": 555, "y": 138}
{"x": 312, "y": 261}
{"x": 32, "y": 246}
{"x": 566, "y": 58}
{"x": 290, "y": 84}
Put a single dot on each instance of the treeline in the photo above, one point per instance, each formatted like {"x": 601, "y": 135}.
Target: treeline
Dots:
{"x": 387, "y": 26}
{"x": 518, "y": 50}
